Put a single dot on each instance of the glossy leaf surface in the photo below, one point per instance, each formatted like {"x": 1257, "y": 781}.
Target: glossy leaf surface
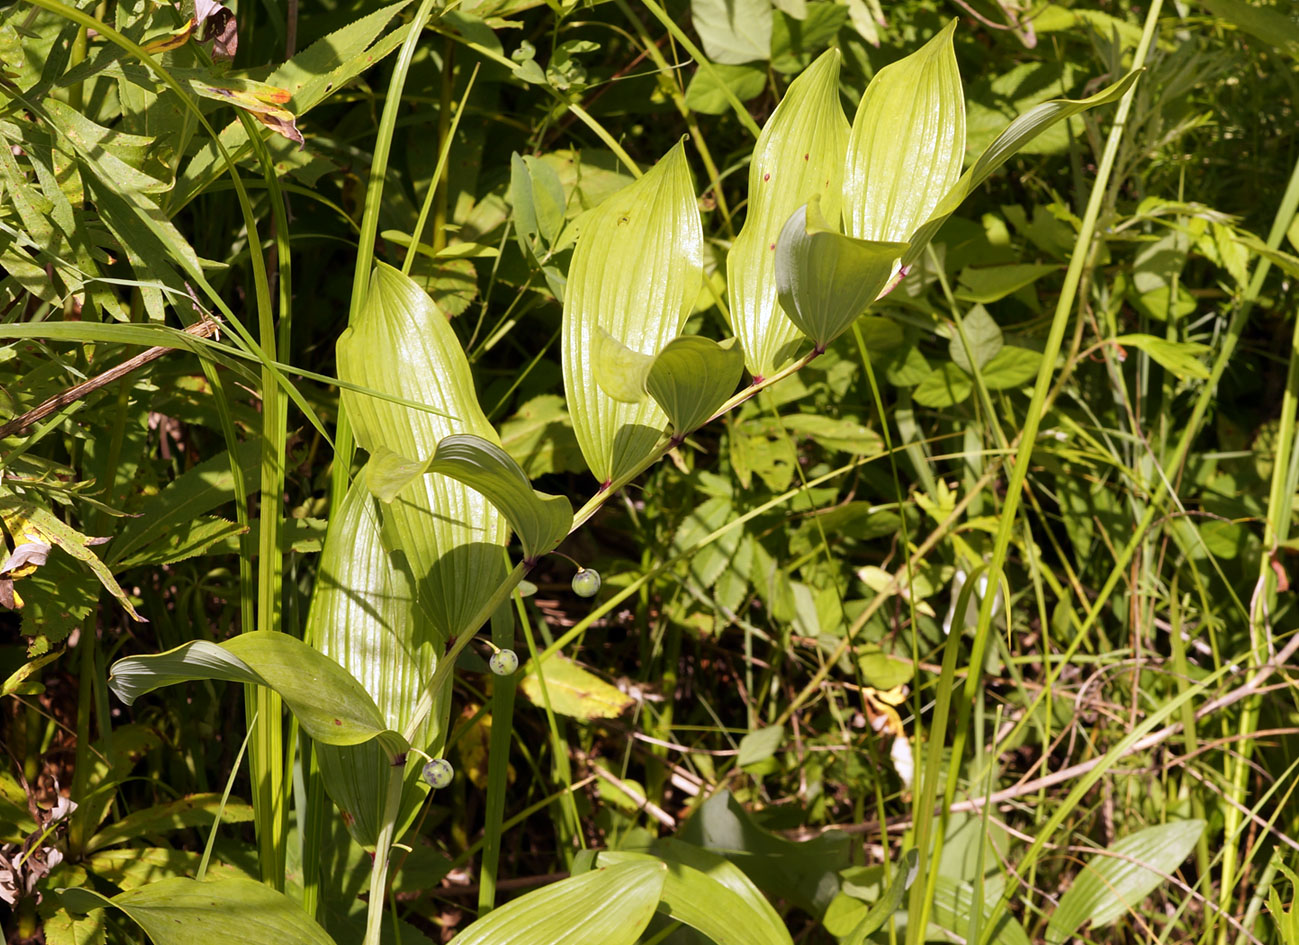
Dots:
{"x": 608, "y": 906}
{"x": 799, "y": 155}
{"x": 636, "y": 273}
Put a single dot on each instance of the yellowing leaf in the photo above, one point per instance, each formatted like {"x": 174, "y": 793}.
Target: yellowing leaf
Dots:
{"x": 573, "y": 691}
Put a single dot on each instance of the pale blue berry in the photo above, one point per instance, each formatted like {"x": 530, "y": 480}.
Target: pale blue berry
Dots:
{"x": 586, "y": 582}
{"x": 504, "y": 662}
{"x": 438, "y": 773}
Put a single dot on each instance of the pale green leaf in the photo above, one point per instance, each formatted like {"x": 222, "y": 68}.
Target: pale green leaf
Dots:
{"x": 1011, "y": 367}
{"x": 907, "y": 143}
{"x": 983, "y": 336}
{"x": 1017, "y": 134}
{"x": 635, "y": 273}
{"x": 693, "y": 376}
{"x": 760, "y": 744}
{"x": 706, "y": 892}
{"x": 990, "y": 283}
{"x": 364, "y": 616}
{"x": 573, "y": 691}
{"x": 836, "y": 433}
{"x": 799, "y": 156}
{"x": 182, "y": 911}
{"x": 542, "y": 521}
{"x": 733, "y": 31}
{"x": 706, "y": 92}
{"x": 824, "y": 279}
{"x": 1111, "y": 886}
{"x": 609, "y": 906}
{"x": 1183, "y": 358}
{"x": 619, "y": 371}
{"x": 327, "y": 700}
{"x": 452, "y": 535}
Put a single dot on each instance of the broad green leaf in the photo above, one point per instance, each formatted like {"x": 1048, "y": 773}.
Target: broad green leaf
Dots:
{"x": 989, "y": 283}
{"x": 944, "y": 386}
{"x": 329, "y": 703}
{"x": 538, "y": 200}
{"x": 1183, "y": 358}
{"x": 983, "y": 336}
{"x": 452, "y": 535}
{"x": 693, "y": 376}
{"x": 824, "y": 279}
{"x": 1011, "y": 367}
{"x": 1111, "y": 886}
{"x": 733, "y": 31}
{"x": 636, "y": 273}
{"x": 197, "y": 810}
{"x": 364, "y": 616}
{"x": 836, "y": 433}
{"x": 799, "y": 156}
{"x": 904, "y": 872}
{"x": 609, "y": 906}
{"x": 706, "y": 892}
{"x": 1017, "y": 134}
{"x": 705, "y": 93}
{"x": 618, "y": 370}
{"x": 572, "y": 690}
{"x": 952, "y": 909}
{"x": 1268, "y": 24}
{"x": 760, "y": 744}
{"x": 183, "y": 911}
{"x": 907, "y": 143}
{"x": 542, "y": 521}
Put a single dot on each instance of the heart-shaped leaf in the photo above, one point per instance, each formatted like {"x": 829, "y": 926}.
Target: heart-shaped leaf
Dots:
{"x": 636, "y": 273}
{"x": 619, "y": 371}
{"x": 692, "y": 377}
{"x": 329, "y": 703}
{"x": 825, "y": 279}
{"x": 799, "y": 155}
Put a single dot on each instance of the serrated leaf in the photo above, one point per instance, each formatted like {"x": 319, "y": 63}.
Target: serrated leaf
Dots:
{"x": 542, "y": 521}
{"x": 707, "y": 892}
{"x": 452, "y": 535}
{"x": 329, "y": 703}
{"x": 907, "y": 143}
{"x": 364, "y": 616}
{"x": 984, "y": 338}
{"x": 573, "y": 691}
{"x": 799, "y": 156}
{"x": 610, "y": 906}
{"x": 1017, "y": 134}
{"x": 760, "y": 744}
{"x": 635, "y": 273}
{"x": 824, "y": 280}
{"x": 182, "y": 911}
{"x": 1111, "y": 886}
{"x": 1183, "y": 358}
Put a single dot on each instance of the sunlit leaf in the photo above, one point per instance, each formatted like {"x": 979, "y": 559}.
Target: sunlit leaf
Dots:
{"x": 451, "y": 535}
{"x": 635, "y": 273}
{"x": 1111, "y": 886}
{"x": 573, "y": 691}
{"x": 825, "y": 279}
{"x": 733, "y": 31}
{"x": 799, "y": 156}
{"x": 907, "y": 143}
{"x": 329, "y": 703}
{"x": 182, "y": 911}
{"x": 609, "y": 906}
{"x": 1183, "y": 358}
{"x": 542, "y": 521}
{"x": 197, "y": 810}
